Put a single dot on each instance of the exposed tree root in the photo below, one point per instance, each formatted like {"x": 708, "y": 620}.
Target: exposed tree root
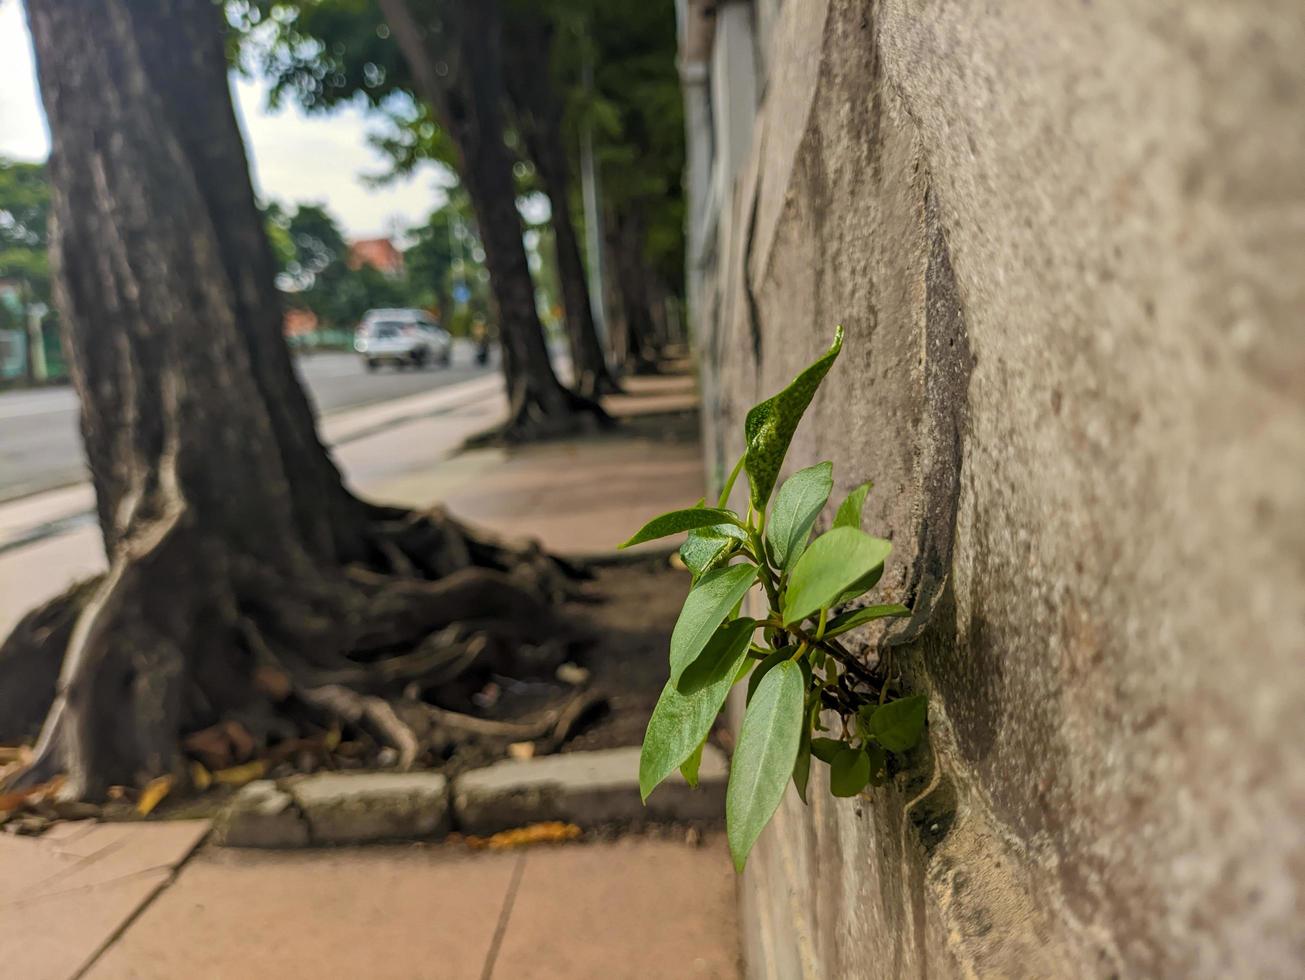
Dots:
{"x": 157, "y": 649}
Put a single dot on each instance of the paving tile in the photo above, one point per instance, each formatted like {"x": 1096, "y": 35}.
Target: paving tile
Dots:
{"x": 634, "y": 909}
{"x": 379, "y": 913}
{"x": 65, "y": 895}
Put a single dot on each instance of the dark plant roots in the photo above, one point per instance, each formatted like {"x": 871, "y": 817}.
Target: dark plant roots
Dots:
{"x": 182, "y": 634}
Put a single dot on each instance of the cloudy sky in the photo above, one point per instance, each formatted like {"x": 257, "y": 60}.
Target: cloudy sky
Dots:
{"x": 295, "y": 157}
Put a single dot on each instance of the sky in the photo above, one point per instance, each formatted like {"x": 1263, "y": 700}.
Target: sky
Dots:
{"x": 295, "y": 157}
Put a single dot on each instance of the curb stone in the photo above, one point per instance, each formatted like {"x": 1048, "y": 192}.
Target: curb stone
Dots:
{"x": 354, "y": 808}
{"x": 585, "y": 788}
{"x": 261, "y": 815}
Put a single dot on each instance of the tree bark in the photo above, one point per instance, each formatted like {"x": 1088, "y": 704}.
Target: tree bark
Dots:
{"x": 538, "y": 113}
{"x": 625, "y": 236}
{"x": 233, "y": 546}
{"x": 463, "y": 82}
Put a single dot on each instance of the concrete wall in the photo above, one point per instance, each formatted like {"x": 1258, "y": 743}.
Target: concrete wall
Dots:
{"x": 1067, "y": 240}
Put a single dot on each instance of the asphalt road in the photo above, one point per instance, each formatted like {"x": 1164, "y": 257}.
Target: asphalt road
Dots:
{"x": 40, "y": 446}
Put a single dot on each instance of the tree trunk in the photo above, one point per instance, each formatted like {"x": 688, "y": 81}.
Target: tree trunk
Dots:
{"x": 626, "y": 240}
{"x": 467, "y": 97}
{"x": 539, "y": 119}
{"x": 234, "y": 549}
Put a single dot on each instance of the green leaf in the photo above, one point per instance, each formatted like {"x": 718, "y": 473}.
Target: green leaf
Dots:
{"x": 832, "y": 563}
{"x": 689, "y": 767}
{"x": 705, "y": 608}
{"x": 878, "y": 764}
{"x": 769, "y": 426}
{"x": 706, "y": 547}
{"x": 797, "y": 505}
{"x": 849, "y": 772}
{"x": 859, "y": 617}
{"x": 859, "y": 588}
{"x": 825, "y": 749}
{"x": 720, "y": 657}
{"x": 765, "y": 666}
{"x": 681, "y": 520}
{"x": 680, "y": 723}
{"x": 764, "y": 759}
{"x": 802, "y": 767}
{"x": 897, "y": 725}
{"x": 849, "y": 511}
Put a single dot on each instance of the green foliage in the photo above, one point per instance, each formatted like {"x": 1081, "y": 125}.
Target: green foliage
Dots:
{"x": 763, "y": 761}
{"x": 797, "y": 505}
{"x": 769, "y": 426}
{"x": 681, "y": 520}
{"x": 789, "y": 657}
{"x": 24, "y": 214}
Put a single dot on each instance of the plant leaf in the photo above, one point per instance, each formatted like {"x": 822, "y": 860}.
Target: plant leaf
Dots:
{"x": 680, "y": 520}
{"x": 706, "y": 547}
{"x": 802, "y": 766}
{"x": 766, "y": 665}
{"x": 859, "y": 588}
{"x": 680, "y": 723}
{"x": 705, "y": 608}
{"x": 825, "y": 749}
{"x": 720, "y": 657}
{"x": 849, "y": 772}
{"x": 797, "y": 505}
{"x": 897, "y": 725}
{"x": 689, "y": 767}
{"x": 849, "y": 511}
{"x": 764, "y": 759}
{"x": 769, "y": 426}
{"x": 859, "y": 617}
{"x": 833, "y": 562}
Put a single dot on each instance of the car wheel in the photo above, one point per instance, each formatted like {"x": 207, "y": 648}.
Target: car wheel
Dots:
{"x": 372, "y": 364}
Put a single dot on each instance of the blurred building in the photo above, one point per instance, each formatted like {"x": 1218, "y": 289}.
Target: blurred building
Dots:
{"x": 1066, "y": 241}
{"x": 379, "y": 253}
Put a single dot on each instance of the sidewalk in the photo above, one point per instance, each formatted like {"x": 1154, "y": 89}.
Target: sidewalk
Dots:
{"x": 120, "y": 901}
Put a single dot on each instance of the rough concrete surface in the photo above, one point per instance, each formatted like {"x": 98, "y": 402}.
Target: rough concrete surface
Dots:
{"x": 261, "y": 815}
{"x": 1098, "y": 500}
{"x": 347, "y": 808}
{"x": 584, "y": 788}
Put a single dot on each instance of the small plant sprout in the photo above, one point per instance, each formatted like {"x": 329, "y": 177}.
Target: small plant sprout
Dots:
{"x": 791, "y": 659}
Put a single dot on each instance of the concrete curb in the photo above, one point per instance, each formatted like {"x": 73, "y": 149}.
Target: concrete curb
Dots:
{"x": 590, "y": 789}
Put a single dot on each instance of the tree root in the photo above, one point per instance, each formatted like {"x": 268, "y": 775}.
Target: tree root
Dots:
{"x": 156, "y": 649}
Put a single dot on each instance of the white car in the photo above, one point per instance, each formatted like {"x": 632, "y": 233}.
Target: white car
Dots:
{"x": 402, "y": 337}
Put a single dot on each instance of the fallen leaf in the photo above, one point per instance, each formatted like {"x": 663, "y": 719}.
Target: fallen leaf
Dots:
{"x": 239, "y": 775}
{"x": 273, "y": 682}
{"x": 153, "y": 793}
{"x": 551, "y": 832}
{"x": 200, "y": 777}
{"x": 522, "y": 750}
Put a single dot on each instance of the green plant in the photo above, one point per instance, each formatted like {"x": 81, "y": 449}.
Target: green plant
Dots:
{"x": 791, "y": 658}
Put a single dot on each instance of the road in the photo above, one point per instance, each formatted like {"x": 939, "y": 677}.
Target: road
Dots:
{"x": 40, "y": 447}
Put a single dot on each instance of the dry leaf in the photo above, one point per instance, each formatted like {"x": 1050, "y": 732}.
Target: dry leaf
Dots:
{"x": 200, "y": 777}
{"x": 33, "y": 794}
{"x": 239, "y": 775}
{"x": 551, "y": 832}
{"x": 273, "y": 682}
{"x": 152, "y": 795}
